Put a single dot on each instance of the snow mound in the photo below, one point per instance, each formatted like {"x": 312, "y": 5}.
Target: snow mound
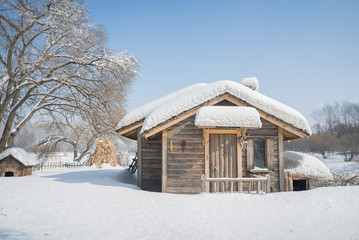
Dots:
{"x": 203, "y": 94}
{"x": 19, "y": 154}
{"x": 225, "y": 116}
{"x": 306, "y": 165}
{"x": 251, "y": 82}
{"x": 141, "y": 112}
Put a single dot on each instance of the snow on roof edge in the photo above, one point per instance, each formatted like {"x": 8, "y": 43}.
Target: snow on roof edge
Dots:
{"x": 142, "y": 112}
{"x": 19, "y": 154}
{"x": 210, "y": 91}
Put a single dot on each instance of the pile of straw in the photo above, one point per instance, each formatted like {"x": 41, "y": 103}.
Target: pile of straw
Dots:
{"x": 104, "y": 153}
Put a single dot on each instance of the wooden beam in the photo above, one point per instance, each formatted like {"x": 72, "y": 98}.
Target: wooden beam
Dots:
{"x": 268, "y": 117}
{"x": 239, "y": 154}
{"x": 139, "y": 158}
{"x": 269, "y": 151}
{"x": 250, "y": 154}
{"x": 129, "y": 128}
{"x": 206, "y": 156}
{"x": 182, "y": 116}
{"x": 281, "y": 160}
{"x": 164, "y": 160}
{"x": 223, "y": 131}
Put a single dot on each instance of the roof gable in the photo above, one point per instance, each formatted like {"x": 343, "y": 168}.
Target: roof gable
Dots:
{"x": 19, "y": 154}
{"x": 187, "y": 103}
{"x": 140, "y": 113}
{"x": 210, "y": 91}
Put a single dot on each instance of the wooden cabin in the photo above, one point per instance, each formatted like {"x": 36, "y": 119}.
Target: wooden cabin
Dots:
{"x": 221, "y": 130}
{"x": 15, "y": 162}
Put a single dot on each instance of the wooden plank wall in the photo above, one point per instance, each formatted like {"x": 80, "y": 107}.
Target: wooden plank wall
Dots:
{"x": 151, "y": 163}
{"x": 268, "y": 130}
{"x": 184, "y": 168}
{"x": 223, "y": 158}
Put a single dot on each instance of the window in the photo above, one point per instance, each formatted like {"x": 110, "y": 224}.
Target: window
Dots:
{"x": 259, "y": 154}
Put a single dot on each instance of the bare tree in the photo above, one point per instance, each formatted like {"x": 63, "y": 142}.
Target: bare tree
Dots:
{"x": 53, "y": 64}
{"x": 323, "y": 143}
{"x": 340, "y": 121}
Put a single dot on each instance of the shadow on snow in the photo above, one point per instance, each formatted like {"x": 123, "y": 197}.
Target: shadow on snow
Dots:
{"x": 105, "y": 177}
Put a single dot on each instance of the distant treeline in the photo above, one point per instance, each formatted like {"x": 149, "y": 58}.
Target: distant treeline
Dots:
{"x": 336, "y": 129}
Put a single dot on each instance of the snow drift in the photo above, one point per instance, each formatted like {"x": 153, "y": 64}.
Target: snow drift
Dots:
{"x": 305, "y": 165}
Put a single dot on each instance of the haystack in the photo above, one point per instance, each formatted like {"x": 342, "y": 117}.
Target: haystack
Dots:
{"x": 104, "y": 153}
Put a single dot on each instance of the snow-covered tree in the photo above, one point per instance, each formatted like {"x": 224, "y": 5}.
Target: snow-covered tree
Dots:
{"x": 54, "y": 67}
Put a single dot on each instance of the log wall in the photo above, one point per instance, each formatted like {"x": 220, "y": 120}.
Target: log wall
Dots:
{"x": 10, "y": 164}
{"x": 151, "y": 164}
{"x": 185, "y": 165}
{"x": 268, "y": 130}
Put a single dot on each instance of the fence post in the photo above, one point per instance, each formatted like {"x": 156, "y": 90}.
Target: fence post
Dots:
{"x": 268, "y": 183}
{"x": 203, "y": 185}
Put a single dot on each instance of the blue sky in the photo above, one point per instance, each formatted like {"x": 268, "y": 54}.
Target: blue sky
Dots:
{"x": 304, "y": 53}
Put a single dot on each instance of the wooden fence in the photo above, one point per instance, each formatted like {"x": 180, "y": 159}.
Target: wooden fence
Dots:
{"x": 52, "y": 165}
{"x": 258, "y": 184}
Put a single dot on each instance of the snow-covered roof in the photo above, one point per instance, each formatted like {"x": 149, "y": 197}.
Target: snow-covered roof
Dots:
{"x": 305, "y": 165}
{"x": 251, "y": 82}
{"x": 228, "y": 116}
{"x": 194, "y": 98}
{"x": 141, "y": 112}
{"x": 19, "y": 154}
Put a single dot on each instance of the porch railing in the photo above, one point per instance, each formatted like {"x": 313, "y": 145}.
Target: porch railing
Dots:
{"x": 257, "y": 184}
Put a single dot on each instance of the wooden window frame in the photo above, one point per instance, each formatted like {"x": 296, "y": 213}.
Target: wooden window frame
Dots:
{"x": 268, "y": 153}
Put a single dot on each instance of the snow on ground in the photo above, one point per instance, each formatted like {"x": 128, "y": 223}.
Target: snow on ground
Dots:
{"x": 90, "y": 203}
{"x": 337, "y": 165}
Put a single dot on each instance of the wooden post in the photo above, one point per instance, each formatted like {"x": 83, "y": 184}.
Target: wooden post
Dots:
{"x": 164, "y": 160}
{"x": 268, "y": 183}
{"x": 281, "y": 161}
{"x": 250, "y": 153}
{"x": 239, "y": 158}
{"x": 139, "y": 173}
{"x": 203, "y": 185}
{"x": 206, "y": 156}
{"x": 258, "y": 187}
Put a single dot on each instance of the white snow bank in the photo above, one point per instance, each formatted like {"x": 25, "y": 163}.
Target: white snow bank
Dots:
{"x": 19, "y": 154}
{"x": 251, "y": 82}
{"x": 201, "y": 95}
{"x": 141, "y": 112}
{"x": 305, "y": 165}
{"x": 108, "y": 206}
{"x": 228, "y": 116}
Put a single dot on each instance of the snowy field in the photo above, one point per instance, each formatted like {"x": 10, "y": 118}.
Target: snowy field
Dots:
{"x": 337, "y": 165}
{"x": 90, "y": 203}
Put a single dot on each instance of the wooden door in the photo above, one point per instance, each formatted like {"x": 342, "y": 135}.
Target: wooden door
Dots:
{"x": 223, "y": 159}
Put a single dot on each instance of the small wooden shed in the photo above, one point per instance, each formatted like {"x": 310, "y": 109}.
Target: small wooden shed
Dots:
{"x": 303, "y": 172}
{"x": 221, "y": 130}
{"x": 15, "y": 162}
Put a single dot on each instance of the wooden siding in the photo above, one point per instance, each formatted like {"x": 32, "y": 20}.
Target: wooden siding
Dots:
{"x": 268, "y": 131}
{"x": 223, "y": 158}
{"x": 185, "y": 165}
{"x": 151, "y": 163}
{"x": 10, "y": 164}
